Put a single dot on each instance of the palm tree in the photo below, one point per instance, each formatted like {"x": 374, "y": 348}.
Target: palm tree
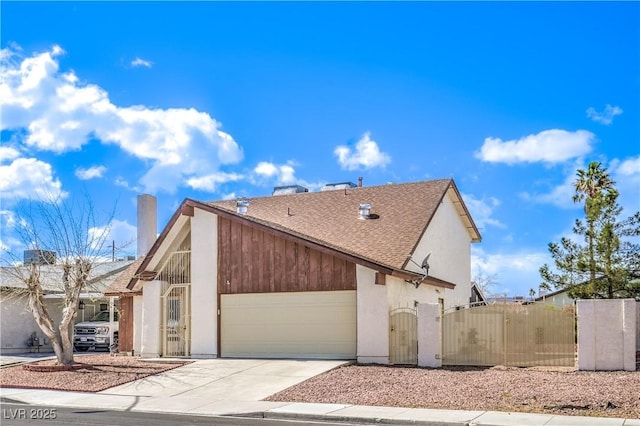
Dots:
{"x": 595, "y": 187}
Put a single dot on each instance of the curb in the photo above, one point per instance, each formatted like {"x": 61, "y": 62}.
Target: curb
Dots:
{"x": 356, "y": 420}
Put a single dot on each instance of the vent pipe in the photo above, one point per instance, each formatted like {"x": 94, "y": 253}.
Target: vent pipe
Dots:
{"x": 360, "y": 182}
{"x": 364, "y": 211}
{"x": 242, "y": 206}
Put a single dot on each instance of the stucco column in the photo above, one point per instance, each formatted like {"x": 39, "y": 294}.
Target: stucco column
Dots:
{"x": 429, "y": 330}
{"x": 150, "y": 342}
{"x": 372, "y": 318}
{"x": 204, "y": 277}
{"x": 607, "y": 334}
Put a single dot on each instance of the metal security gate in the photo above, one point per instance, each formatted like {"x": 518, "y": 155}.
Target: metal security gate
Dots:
{"x": 510, "y": 335}
{"x": 175, "y": 325}
{"x": 403, "y": 336}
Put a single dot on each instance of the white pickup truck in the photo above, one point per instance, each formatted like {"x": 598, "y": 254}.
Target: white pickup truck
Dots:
{"x": 95, "y": 333}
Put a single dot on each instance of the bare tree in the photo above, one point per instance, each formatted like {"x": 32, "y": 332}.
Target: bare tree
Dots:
{"x": 485, "y": 282}
{"x": 69, "y": 228}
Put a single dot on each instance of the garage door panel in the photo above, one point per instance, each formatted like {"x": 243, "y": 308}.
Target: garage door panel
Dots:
{"x": 293, "y": 325}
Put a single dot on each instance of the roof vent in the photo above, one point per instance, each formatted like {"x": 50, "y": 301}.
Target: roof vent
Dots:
{"x": 289, "y": 189}
{"x": 338, "y": 185}
{"x": 364, "y": 211}
{"x": 242, "y": 206}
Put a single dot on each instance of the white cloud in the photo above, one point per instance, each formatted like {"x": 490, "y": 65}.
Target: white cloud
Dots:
{"x": 8, "y": 242}
{"x": 284, "y": 174}
{"x": 28, "y": 178}
{"x": 208, "y": 183}
{"x": 515, "y": 273}
{"x": 366, "y": 155}
{"x": 8, "y": 153}
{"x": 266, "y": 169}
{"x": 625, "y": 173}
{"x": 605, "y": 117}
{"x": 121, "y": 232}
{"x": 230, "y": 196}
{"x": 59, "y": 113}
{"x": 560, "y": 195}
{"x": 139, "y": 62}
{"x": 628, "y": 167}
{"x": 120, "y": 181}
{"x": 482, "y": 209}
{"x": 549, "y": 146}
{"x": 91, "y": 172}
{"x": 268, "y": 173}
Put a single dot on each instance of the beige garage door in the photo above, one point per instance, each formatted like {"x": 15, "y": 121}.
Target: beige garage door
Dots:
{"x": 289, "y": 325}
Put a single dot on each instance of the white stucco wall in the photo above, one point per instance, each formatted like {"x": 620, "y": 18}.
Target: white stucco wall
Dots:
{"x": 137, "y": 324}
{"x": 449, "y": 243}
{"x": 607, "y": 334}
{"x": 17, "y": 323}
{"x": 372, "y": 318}
{"x": 150, "y": 339}
{"x": 401, "y": 294}
{"x": 204, "y": 276}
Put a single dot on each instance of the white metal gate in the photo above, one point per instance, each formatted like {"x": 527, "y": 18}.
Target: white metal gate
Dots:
{"x": 403, "y": 336}
{"x": 175, "y": 327}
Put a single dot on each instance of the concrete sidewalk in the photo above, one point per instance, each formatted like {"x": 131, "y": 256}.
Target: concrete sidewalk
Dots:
{"x": 224, "y": 387}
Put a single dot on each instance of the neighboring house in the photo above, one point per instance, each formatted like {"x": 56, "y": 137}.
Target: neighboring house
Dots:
{"x": 559, "y": 298}
{"x": 477, "y": 297}
{"x": 17, "y": 325}
{"x": 301, "y": 275}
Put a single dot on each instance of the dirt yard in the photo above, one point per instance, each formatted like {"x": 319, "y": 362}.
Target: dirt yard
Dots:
{"x": 537, "y": 390}
{"x": 91, "y": 373}
{"x": 534, "y": 390}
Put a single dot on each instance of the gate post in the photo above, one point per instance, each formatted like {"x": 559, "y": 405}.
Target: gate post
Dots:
{"x": 606, "y": 334}
{"x": 150, "y": 342}
{"x": 429, "y": 335}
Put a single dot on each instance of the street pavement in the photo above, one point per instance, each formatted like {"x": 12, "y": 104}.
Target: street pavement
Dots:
{"x": 237, "y": 387}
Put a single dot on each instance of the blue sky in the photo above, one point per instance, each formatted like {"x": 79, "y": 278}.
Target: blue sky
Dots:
{"x": 213, "y": 100}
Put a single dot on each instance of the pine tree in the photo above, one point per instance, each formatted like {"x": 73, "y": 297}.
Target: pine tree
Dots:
{"x": 606, "y": 264}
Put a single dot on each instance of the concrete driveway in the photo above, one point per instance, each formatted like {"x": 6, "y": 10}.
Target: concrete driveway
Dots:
{"x": 220, "y": 381}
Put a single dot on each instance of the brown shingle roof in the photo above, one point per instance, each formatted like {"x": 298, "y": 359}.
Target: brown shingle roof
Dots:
{"x": 331, "y": 217}
{"x": 119, "y": 285}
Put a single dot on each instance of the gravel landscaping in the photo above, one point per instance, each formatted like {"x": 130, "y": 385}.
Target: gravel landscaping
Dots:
{"x": 535, "y": 390}
{"x": 90, "y": 373}
{"x": 562, "y": 391}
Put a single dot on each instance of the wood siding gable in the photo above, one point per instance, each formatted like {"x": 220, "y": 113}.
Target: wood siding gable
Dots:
{"x": 252, "y": 260}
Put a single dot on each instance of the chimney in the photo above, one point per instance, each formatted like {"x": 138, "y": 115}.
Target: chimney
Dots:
{"x": 360, "y": 182}
{"x": 147, "y": 223}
